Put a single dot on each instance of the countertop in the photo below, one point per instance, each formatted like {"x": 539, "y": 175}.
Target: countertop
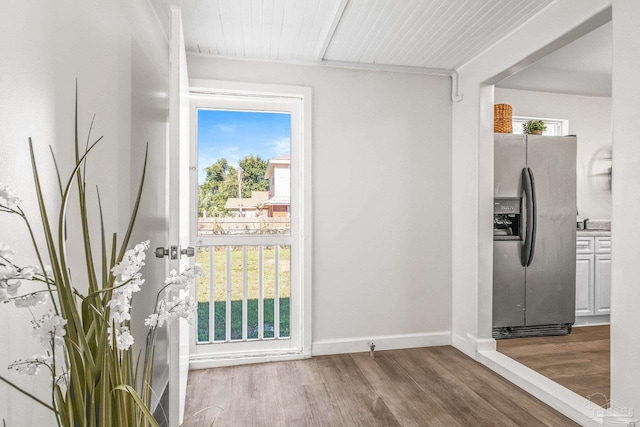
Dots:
{"x": 593, "y": 233}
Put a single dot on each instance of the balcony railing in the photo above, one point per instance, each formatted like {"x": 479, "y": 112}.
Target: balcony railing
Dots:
{"x": 244, "y": 294}
{"x": 236, "y": 226}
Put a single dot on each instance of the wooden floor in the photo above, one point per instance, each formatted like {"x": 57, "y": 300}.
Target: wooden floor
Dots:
{"x": 578, "y": 361}
{"x": 435, "y": 386}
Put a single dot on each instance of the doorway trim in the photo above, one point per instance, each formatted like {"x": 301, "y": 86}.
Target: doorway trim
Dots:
{"x": 219, "y": 87}
{"x": 473, "y": 282}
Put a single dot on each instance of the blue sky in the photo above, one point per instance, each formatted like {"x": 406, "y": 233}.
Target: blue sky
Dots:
{"x": 235, "y": 134}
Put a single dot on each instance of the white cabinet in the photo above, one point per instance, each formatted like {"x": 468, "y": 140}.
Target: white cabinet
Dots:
{"x": 584, "y": 285}
{"x": 602, "y": 279}
{"x": 593, "y": 279}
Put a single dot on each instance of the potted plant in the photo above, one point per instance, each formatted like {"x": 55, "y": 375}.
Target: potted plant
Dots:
{"x": 86, "y": 344}
{"x": 535, "y": 127}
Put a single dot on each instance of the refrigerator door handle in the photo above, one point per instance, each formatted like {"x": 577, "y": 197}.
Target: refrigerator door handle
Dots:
{"x": 525, "y": 256}
{"x": 528, "y": 247}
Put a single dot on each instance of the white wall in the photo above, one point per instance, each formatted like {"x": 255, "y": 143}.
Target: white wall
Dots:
{"x": 119, "y": 56}
{"x": 381, "y": 197}
{"x": 472, "y": 145}
{"x": 472, "y": 135}
{"x": 625, "y": 269}
{"x": 590, "y": 119}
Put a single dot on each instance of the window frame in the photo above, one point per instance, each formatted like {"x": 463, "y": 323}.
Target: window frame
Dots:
{"x": 303, "y": 189}
{"x": 555, "y": 127}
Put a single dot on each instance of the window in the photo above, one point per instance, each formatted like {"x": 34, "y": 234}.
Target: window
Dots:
{"x": 555, "y": 127}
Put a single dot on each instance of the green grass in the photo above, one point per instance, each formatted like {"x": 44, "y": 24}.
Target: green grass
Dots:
{"x": 236, "y": 319}
{"x": 220, "y": 273}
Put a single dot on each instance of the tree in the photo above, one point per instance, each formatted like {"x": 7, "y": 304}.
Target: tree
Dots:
{"x": 217, "y": 188}
{"x": 221, "y": 183}
{"x": 253, "y": 179}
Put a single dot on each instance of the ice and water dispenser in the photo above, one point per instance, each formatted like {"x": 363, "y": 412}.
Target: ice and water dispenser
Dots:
{"x": 507, "y": 218}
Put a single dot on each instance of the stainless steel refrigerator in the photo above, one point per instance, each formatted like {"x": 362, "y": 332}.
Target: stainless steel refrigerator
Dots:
{"x": 534, "y": 227}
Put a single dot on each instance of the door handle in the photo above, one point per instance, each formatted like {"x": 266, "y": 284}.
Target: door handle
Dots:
{"x": 528, "y": 247}
{"x": 189, "y": 251}
{"x": 172, "y": 252}
{"x": 528, "y": 195}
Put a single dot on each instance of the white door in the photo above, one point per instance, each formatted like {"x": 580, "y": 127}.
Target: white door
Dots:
{"x": 250, "y": 239}
{"x": 178, "y": 209}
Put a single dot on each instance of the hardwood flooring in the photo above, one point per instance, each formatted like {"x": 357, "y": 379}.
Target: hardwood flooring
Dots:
{"x": 578, "y": 361}
{"x": 434, "y": 386}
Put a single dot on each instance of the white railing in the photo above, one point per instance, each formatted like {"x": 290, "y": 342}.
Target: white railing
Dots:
{"x": 244, "y": 294}
{"x": 249, "y": 226}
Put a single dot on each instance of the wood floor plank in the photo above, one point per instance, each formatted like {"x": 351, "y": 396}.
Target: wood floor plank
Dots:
{"x": 579, "y": 361}
{"x": 352, "y": 393}
{"x": 411, "y": 403}
{"x": 437, "y": 386}
{"x": 451, "y": 392}
{"x": 520, "y": 407}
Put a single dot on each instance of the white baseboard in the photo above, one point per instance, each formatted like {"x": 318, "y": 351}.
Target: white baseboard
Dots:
{"x": 222, "y": 360}
{"x": 382, "y": 342}
{"x": 600, "y": 320}
{"x": 471, "y": 345}
{"x": 553, "y": 394}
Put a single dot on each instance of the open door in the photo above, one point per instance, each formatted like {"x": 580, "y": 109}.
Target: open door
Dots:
{"x": 178, "y": 200}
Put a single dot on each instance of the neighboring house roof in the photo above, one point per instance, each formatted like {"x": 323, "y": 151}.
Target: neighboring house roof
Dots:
{"x": 278, "y": 200}
{"x": 257, "y": 198}
{"x": 281, "y": 160}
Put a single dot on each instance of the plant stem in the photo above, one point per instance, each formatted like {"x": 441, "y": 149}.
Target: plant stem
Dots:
{"x": 27, "y": 393}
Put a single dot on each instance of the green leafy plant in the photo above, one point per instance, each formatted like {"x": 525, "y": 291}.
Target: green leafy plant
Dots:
{"x": 86, "y": 342}
{"x": 534, "y": 127}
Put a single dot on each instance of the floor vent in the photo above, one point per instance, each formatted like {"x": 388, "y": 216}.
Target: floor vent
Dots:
{"x": 505, "y": 332}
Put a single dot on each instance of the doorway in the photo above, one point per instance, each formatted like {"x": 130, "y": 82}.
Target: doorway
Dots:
{"x": 588, "y": 115}
{"x": 248, "y": 220}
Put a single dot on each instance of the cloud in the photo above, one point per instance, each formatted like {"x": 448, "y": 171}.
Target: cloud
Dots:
{"x": 226, "y": 127}
{"x": 280, "y": 146}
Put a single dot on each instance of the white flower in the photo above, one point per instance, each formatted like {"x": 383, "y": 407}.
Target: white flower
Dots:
{"x": 120, "y": 317}
{"x": 151, "y": 321}
{"x": 124, "y": 340}
{"x": 12, "y": 287}
{"x": 31, "y": 366}
{"x": 31, "y": 300}
{"x": 171, "y": 306}
{"x": 6, "y": 252}
{"x": 127, "y": 281}
{"x": 131, "y": 263}
{"x": 50, "y": 328}
{"x": 3, "y": 294}
{"x": 27, "y": 272}
{"x": 8, "y": 272}
{"x": 9, "y": 198}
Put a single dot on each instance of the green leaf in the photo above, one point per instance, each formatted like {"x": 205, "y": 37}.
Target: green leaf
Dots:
{"x": 145, "y": 411}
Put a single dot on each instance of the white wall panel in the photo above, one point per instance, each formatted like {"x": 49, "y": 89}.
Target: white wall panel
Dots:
{"x": 117, "y": 52}
{"x": 381, "y": 195}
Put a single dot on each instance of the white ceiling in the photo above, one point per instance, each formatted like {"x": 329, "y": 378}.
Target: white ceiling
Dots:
{"x": 431, "y": 36}
{"x": 582, "y": 67}
{"x": 428, "y": 34}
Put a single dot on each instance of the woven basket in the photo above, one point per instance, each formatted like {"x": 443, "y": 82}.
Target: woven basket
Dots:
{"x": 502, "y": 118}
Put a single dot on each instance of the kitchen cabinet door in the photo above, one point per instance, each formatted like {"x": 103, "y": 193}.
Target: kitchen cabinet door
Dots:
{"x": 584, "y": 285}
{"x": 602, "y": 270}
